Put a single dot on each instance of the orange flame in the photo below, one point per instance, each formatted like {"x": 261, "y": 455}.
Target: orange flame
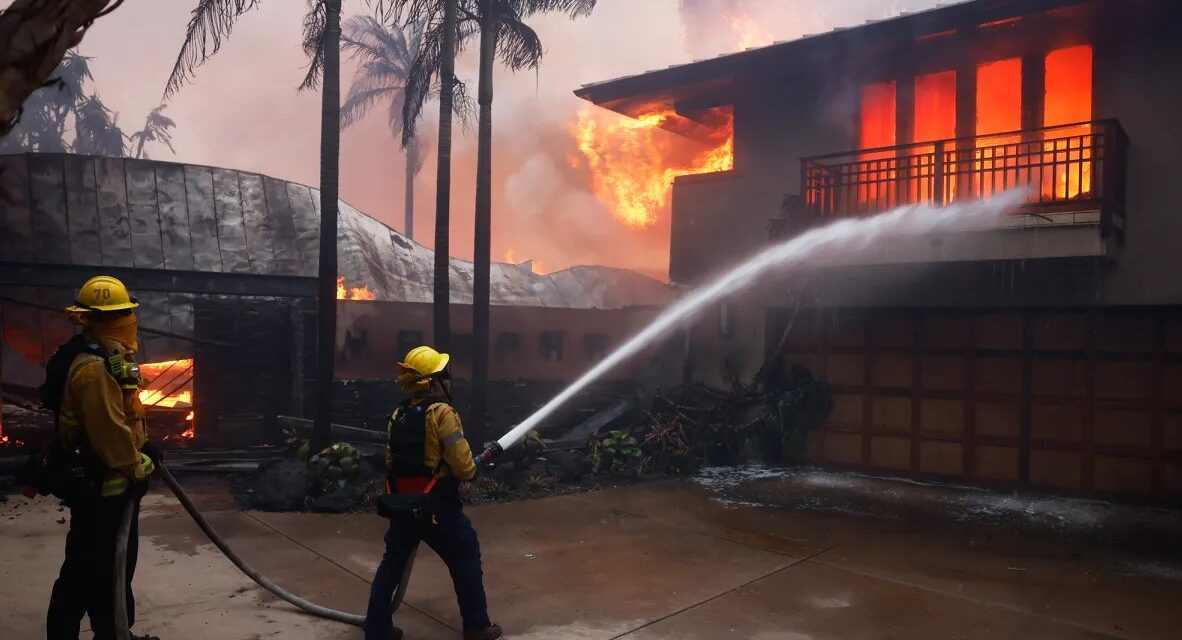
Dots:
{"x": 353, "y": 293}
{"x": 535, "y": 266}
{"x": 750, "y": 33}
{"x": 167, "y": 384}
{"x": 633, "y": 162}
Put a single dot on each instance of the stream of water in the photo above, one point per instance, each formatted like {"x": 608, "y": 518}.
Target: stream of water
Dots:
{"x": 842, "y": 238}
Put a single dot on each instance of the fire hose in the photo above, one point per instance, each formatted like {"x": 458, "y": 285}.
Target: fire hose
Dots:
{"x": 122, "y": 632}
{"x": 120, "y": 569}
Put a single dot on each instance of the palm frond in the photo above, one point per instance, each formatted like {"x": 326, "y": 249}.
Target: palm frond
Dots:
{"x": 572, "y": 8}
{"x": 407, "y": 11}
{"x": 210, "y": 24}
{"x": 518, "y": 45}
{"x": 315, "y": 27}
{"x": 360, "y": 101}
{"x": 156, "y": 129}
{"x": 97, "y": 130}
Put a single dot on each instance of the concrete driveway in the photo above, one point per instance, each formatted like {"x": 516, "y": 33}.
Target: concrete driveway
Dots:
{"x": 662, "y": 560}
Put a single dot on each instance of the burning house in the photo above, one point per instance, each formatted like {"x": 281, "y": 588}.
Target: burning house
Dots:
{"x": 224, "y": 265}
{"x": 1044, "y": 354}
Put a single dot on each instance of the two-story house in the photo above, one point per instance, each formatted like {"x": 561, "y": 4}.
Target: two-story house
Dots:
{"x": 1047, "y": 353}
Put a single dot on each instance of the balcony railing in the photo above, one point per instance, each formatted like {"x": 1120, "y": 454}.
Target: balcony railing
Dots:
{"x": 1076, "y": 168}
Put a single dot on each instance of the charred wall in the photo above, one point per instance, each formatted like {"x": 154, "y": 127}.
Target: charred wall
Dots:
{"x": 255, "y": 362}
{"x": 528, "y": 343}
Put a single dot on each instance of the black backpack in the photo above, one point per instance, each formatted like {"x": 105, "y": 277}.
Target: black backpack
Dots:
{"x": 75, "y": 475}
{"x": 57, "y": 370}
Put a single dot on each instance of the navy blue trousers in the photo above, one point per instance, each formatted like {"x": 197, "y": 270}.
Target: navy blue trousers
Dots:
{"x": 454, "y": 539}
{"x": 85, "y": 585}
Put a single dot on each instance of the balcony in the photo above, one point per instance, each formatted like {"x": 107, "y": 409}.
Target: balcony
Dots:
{"x": 1074, "y": 176}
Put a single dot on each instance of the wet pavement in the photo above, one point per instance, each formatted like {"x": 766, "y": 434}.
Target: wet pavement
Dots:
{"x": 672, "y": 559}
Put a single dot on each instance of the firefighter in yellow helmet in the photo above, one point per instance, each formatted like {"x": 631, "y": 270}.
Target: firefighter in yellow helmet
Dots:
{"x": 92, "y": 385}
{"x": 427, "y": 454}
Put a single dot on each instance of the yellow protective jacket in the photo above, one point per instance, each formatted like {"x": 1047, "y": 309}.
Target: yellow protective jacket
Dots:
{"x": 445, "y": 439}
{"x": 109, "y": 419}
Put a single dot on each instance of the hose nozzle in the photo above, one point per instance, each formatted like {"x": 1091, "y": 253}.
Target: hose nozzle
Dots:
{"x": 491, "y": 450}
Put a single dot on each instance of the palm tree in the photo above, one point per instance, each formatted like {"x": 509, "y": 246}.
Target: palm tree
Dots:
{"x": 156, "y": 129}
{"x": 211, "y": 22}
{"x": 322, "y": 43}
{"x": 48, "y": 114}
{"x": 503, "y": 34}
{"x": 36, "y": 36}
{"x": 386, "y": 55}
{"x": 435, "y": 60}
{"x": 96, "y": 130}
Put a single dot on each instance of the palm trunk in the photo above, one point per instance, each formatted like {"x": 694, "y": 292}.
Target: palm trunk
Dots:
{"x": 412, "y": 160}
{"x": 447, "y": 73}
{"x": 330, "y": 146}
{"x": 482, "y": 249}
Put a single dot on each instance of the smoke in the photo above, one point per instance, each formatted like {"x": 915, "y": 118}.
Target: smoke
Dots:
{"x": 716, "y": 26}
{"x": 243, "y": 111}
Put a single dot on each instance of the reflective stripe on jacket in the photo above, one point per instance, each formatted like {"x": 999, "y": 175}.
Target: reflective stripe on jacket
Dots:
{"x": 445, "y": 438}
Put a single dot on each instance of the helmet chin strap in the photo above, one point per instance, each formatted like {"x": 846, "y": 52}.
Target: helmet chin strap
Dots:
{"x": 443, "y": 377}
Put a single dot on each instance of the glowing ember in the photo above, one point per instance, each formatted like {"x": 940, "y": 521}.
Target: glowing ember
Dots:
{"x": 188, "y": 434}
{"x": 189, "y": 417}
{"x": 5, "y": 441}
{"x": 633, "y": 162}
{"x": 749, "y": 32}
{"x": 353, "y": 293}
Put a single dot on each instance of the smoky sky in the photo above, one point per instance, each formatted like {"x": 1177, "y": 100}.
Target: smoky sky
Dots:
{"x": 243, "y": 111}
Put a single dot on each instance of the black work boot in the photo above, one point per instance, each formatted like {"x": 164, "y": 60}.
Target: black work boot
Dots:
{"x": 491, "y": 632}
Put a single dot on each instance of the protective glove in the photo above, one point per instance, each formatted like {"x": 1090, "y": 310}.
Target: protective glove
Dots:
{"x": 154, "y": 452}
{"x": 147, "y": 465}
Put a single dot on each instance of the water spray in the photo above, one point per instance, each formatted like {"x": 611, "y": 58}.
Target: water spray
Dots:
{"x": 847, "y": 237}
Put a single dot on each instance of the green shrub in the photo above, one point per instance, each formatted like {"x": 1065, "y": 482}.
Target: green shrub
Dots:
{"x": 335, "y": 467}
{"x": 803, "y": 403}
{"x": 617, "y": 452}
{"x": 295, "y": 446}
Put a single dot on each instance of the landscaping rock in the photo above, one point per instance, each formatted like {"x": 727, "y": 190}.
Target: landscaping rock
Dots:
{"x": 568, "y": 466}
{"x": 343, "y": 500}
{"x": 281, "y": 485}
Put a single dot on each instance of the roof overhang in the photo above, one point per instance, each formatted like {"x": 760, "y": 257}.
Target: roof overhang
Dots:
{"x": 691, "y": 87}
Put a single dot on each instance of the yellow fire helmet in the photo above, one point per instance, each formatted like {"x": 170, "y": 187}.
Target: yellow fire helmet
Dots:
{"x": 420, "y": 365}
{"x": 103, "y": 293}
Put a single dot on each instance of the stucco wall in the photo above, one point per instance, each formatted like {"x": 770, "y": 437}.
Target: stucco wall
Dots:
{"x": 1137, "y": 83}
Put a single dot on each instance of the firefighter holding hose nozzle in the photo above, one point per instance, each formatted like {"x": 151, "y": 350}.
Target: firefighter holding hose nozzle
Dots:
{"x": 100, "y": 463}
{"x": 427, "y": 457}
